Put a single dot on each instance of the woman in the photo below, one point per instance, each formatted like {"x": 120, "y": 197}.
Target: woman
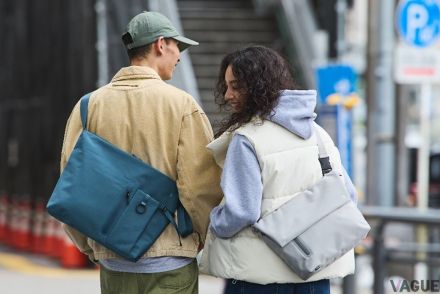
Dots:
{"x": 268, "y": 152}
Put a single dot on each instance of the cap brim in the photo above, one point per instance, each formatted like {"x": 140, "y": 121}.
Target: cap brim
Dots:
{"x": 184, "y": 43}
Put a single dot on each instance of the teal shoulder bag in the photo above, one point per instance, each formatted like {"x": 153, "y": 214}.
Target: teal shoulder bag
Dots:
{"x": 115, "y": 198}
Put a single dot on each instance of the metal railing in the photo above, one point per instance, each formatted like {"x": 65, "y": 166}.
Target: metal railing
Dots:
{"x": 300, "y": 31}
{"x": 381, "y": 254}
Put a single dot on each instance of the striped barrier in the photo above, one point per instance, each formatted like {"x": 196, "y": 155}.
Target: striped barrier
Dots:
{"x": 3, "y": 216}
{"x": 26, "y": 226}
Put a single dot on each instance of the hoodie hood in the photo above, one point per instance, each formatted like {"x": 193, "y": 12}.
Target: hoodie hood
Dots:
{"x": 295, "y": 111}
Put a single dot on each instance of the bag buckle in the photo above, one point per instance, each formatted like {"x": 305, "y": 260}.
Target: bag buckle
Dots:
{"x": 325, "y": 165}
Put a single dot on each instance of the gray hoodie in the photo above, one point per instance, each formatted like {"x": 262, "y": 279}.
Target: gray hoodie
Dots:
{"x": 241, "y": 177}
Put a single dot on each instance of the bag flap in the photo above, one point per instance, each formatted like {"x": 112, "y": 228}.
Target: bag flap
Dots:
{"x": 305, "y": 209}
{"x": 94, "y": 186}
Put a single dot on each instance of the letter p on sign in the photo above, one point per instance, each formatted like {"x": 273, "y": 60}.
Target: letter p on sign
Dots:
{"x": 418, "y": 21}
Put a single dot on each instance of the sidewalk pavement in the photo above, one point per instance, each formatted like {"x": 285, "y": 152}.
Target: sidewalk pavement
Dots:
{"x": 23, "y": 273}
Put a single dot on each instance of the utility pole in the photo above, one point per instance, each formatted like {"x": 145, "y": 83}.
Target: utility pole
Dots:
{"x": 102, "y": 42}
{"x": 381, "y": 104}
{"x": 341, "y": 11}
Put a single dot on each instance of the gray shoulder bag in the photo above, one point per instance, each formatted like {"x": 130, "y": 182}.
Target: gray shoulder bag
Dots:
{"x": 324, "y": 212}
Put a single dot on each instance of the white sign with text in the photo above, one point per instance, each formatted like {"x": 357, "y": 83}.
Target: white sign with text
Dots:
{"x": 417, "y": 65}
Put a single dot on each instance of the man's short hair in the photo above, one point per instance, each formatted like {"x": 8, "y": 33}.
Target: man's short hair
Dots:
{"x": 142, "y": 51}
{"x": 139, "y": 52}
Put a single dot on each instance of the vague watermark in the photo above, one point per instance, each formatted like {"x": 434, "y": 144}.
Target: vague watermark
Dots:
{"x": 408, "y": 286}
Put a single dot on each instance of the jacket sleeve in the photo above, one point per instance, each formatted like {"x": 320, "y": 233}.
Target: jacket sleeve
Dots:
{"x": 71, "y": 134}
{"x": 198, "y": 176}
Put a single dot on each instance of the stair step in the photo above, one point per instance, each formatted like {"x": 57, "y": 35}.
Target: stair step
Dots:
{"x": 206, "y": 83}
{"x": 214, "y": 10}
{"x": 223, "y": 48}
{"x": 205, "y": 59}
{"x": 240, "y": 36}
{"x": 221, "y": 26}
{"x": 214, "y": 4}
{"x": 208, "y": 71}
{"x": 263, "y": 25}
{"x": 225, "y": 14}
{"x": 207, "y": 95}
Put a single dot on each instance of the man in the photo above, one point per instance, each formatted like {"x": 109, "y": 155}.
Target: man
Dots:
{"x": 163, "y": 126}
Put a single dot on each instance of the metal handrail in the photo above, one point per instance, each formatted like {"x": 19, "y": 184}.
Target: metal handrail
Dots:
{"x": 383, "y": 216}
{"x": 301, "y": 31}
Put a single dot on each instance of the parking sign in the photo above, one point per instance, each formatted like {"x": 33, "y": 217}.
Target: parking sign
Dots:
{"x": 418, "y": 21}
{"x": 416, "y": 65}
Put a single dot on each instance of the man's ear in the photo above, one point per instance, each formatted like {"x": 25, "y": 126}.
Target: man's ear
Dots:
{"x": 159, "y": 46}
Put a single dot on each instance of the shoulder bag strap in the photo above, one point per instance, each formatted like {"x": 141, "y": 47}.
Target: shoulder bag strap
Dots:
{"x": 84, "y": 109}
{"x": 324, "y": 158}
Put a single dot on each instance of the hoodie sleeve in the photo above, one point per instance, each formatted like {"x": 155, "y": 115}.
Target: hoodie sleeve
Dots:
{"x": 242, "y": 188}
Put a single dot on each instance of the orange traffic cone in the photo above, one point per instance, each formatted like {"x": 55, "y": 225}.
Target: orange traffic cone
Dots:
{"x": 22, "y": 235}
{"x": 72, "y": 257}
{"x": 49, "y": 237}
{"x": 3, "y": 215}
{"x": 12, "y": 220}
{"x": 58, "y": 240}
{"x": 38, "y": 228}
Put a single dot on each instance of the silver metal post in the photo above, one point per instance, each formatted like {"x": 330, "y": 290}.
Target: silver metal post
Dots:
{"x": 102, "y": 43}
{"x": 341, "y": 10}
{"x": 421, "y": 268}
{"x": 424, "y": 148}
{"x": 381, "y": 104}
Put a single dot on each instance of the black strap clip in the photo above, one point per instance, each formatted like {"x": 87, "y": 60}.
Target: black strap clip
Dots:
{"x": 325, "y": 165}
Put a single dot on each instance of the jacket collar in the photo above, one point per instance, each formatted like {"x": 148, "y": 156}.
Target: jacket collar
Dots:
{"x": 135, "y": 72}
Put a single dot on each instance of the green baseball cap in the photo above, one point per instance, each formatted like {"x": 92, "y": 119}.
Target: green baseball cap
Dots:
{"x": 148, "y": 26}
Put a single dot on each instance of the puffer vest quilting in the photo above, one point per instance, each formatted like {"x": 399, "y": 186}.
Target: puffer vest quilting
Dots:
{"x": 289, "y": 164}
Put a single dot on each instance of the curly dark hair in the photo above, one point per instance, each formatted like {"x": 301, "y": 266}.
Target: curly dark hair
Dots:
{"x": 261, "y": 73}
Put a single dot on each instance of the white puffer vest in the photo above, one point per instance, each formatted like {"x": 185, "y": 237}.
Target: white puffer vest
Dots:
{"x": 289, "y": 164}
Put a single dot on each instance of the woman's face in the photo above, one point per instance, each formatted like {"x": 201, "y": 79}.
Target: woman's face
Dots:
{"x": 233, "y": 95}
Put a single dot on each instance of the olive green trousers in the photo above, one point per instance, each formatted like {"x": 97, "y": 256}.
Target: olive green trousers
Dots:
{"x": 183, "y": 280}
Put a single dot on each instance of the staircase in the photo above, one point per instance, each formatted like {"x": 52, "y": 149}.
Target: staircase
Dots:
{"x": 221, "y": 27}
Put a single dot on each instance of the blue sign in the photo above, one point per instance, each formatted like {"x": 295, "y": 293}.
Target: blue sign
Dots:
{"x": 336, "y": 86}
{"x": 418, "y": 21}
{"x": 335, "y": 79}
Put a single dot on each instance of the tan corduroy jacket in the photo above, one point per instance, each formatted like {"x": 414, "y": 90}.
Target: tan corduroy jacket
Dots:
{"x": 164, "y": 127}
